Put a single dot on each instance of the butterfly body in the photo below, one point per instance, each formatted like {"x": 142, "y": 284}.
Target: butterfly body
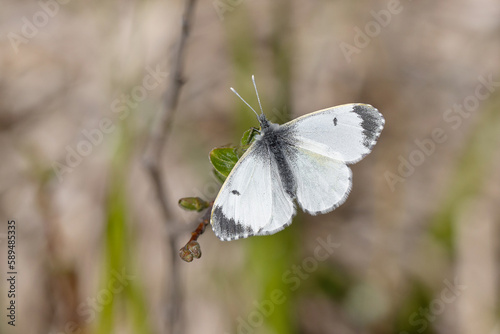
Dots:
{"x": 274, "y": 142}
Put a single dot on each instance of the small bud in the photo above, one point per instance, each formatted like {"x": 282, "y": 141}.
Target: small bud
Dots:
{"x": 193, "y": 204}
{"x": 194, "y": 248}
{"x": 185, "y": 254}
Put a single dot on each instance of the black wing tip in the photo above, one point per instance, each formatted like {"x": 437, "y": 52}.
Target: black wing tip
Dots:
{"x": 372, "y": 122}
{"x": 225, "y": 238}
{"x": 369, "y": 113}
{"x": 227, "y": 229}
{"x": 226, "y": 235}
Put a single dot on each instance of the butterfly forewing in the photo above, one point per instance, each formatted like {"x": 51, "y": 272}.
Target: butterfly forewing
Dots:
{"x": 347, "y": 132}
{"x": 252, "y": 200}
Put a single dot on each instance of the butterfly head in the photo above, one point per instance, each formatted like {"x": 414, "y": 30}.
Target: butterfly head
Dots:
{"x": 264, "y": 123}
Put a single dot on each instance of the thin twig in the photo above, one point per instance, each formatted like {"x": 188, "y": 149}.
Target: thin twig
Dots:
{"x": 191, "y": 249}
{"x": 163, "y": 123}
{"x": 152, "y": 161}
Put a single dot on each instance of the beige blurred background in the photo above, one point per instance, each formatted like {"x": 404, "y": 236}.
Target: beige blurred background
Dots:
{"x": 415, "y": 245}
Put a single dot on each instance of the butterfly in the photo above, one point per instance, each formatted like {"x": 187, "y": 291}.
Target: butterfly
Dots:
{"x": 303, "y": 161}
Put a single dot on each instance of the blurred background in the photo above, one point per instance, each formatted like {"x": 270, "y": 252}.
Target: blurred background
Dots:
{"x": 413, "y": 250}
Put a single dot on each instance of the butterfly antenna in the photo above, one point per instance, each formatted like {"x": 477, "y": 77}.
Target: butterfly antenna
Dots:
{"x": 235, "y": 92}
{"x": 256, "y": 92}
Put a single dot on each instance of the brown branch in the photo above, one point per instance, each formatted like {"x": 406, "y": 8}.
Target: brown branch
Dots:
{"x": 191, "y": 249}
{"x": 152, "y": 161}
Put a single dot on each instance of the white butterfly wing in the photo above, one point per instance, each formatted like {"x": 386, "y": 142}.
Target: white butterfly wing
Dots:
{"x": 252, "y": 200}
{"x": 324, "y": 142}
{"x": 322, "y": 183}
{"x": 347, "y": 132}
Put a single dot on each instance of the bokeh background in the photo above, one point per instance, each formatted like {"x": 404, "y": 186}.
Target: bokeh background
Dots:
{"x": 413, "y": 250}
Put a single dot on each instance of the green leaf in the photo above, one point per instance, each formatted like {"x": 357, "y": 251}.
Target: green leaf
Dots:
{"x": 249, "y": 136}
{"x": 193, "y": 204}
{"x": 223, "y": 160}
{"x": 247, "y": 140}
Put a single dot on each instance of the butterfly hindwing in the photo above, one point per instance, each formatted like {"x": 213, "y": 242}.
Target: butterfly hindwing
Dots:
{"x": 326, "y": 183}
